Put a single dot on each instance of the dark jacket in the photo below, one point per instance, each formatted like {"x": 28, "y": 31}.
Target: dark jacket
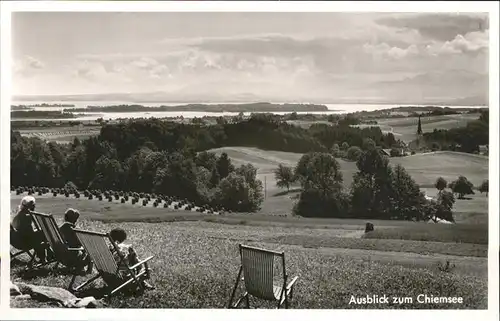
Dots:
{"x": 22, "y": 223}
{"x": 69, "y": 235}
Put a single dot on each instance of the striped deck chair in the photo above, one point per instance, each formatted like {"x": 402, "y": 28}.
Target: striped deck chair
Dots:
{"x": 20, "y": 252}
{"x": 59, "y": 250}
{"x": 30, "y": 252}
{"x": 96, "y": 245}
{"x": 258, "y": 268}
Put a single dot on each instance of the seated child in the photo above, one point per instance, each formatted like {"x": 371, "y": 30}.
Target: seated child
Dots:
{"x": 128, "y": 253}
{"x": 80, "y": 258}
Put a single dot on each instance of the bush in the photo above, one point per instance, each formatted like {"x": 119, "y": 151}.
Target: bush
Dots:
{"x": 435, "y": 147}
{"x": 70, "y": 187}
{"x": 353, "y": 153}
{"x": 396, "y": 152}
{"x": 312, "y": 203}
{"x": 240, "y": 190}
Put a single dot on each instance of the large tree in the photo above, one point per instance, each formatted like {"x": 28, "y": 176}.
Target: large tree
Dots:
{"x": 408, "y": 199}
{"x": 484, "y": 187}
{"x": 284, "y": 176}
{"x": 301, "y": 169}
{"x": 440, "y": 184}
{"x": 444, "y": 206}
{"x": 240, "y": 191}
{"x": 322, "y": 194}
{"x": 462, "y": 187}
{"x": 224, "y": 166}
{"x": 372, "y": 191}
{"x": 419, "y": 127}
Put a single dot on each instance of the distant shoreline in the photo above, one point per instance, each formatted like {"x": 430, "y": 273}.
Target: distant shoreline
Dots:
{"x": 134, "y": 111}
{"x": 218, "y": 108}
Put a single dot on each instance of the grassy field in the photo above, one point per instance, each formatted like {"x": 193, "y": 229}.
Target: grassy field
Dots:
{"x": 405, "y": 128}
{"x": 196, "y": 261}
{"x": 426, "y": 168}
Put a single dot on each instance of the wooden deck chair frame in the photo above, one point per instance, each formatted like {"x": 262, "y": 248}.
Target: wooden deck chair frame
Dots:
{"x": 55, "y": 242}
{"x": 257, "y": 267}
{"x": 16, "y": 254}
{"x": 108, "y": 269}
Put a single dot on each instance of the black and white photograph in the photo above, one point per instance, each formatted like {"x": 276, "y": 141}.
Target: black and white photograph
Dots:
{"x": 250, "y": 160}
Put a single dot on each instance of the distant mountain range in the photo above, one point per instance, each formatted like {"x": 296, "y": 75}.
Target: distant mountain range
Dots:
{"x": 162, "y": 97}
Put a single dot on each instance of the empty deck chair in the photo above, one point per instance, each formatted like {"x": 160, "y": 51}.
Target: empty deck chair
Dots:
{"x": 59, "y": 250}
{"x": 258, "y": 268}
{"x": 96, "y": 245}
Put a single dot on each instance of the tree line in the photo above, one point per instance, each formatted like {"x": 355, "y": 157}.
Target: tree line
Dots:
{"x": 171, "y": 158}
{"x": 464, "y": 139}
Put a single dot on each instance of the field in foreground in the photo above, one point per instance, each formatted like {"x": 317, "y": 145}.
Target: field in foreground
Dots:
{"x": 196, "y": 261}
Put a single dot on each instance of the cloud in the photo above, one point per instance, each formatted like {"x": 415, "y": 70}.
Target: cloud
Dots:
{"x": 362, "y": 55}
{"x": 27, "y": 66}
{"x": 90, "y": 70}
{"x": 145, "y": 63}
{"x": 385, "y": 51}
{"x": 471, "y": 43}
{"x": 440, "y": 27}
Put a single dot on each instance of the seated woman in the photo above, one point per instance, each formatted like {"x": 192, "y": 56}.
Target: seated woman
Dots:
{"x": 119, "y": 236}
{"x": 22, "y": 234}
{"x": 80, "y": 258}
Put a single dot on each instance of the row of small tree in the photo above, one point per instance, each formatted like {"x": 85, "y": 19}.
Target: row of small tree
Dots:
{"x": 461, "y": 187}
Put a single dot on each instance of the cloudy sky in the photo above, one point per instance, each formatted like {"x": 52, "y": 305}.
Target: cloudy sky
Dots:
{"x": 317, "y": 57}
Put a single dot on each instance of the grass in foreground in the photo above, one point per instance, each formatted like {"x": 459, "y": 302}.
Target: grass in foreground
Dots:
{"x": 192, "y": 269}
{"x": 455, "y": 233}
{"x": 385, "y": 245}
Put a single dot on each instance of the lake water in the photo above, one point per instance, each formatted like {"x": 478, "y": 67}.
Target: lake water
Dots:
{"x": 332, "y": 109}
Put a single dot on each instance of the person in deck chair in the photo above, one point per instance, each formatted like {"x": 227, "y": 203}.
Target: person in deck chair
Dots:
{"x": 80, "y": 258}
{"x": 22, "y": 234}
{"x": 119, "y": 236}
